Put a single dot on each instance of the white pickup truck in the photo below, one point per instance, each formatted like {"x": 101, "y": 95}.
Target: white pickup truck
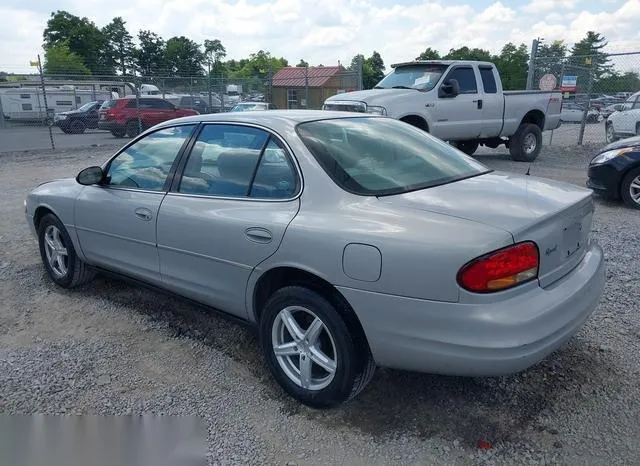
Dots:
{"x": 461, "y": 102}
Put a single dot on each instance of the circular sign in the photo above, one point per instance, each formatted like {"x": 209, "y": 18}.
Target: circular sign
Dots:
{"x": 548, "y": 82}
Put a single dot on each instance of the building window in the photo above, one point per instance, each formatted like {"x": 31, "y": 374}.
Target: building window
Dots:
{"x": 292, "y": 98}
{"x": 64, "y": 102}
{"x": 25, "y": 96}
{"x": 27, "y": 107}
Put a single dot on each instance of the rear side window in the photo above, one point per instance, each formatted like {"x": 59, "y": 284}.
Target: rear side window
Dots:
{"x": 466, "y": 78}
{"x": 488, "y": 80}
{"x": 238, "y": 161}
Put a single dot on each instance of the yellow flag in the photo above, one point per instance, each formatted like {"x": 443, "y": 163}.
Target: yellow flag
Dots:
{"x": 587, "y": 61}
{"x": 33, "y": 63}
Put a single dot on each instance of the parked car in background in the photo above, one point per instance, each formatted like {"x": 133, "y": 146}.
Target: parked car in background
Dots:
{"x": 252, "y": 106}
{"x": 574, "y": 113}
{"x": 122, "y": 117}
{"x": 76, "y": 121}
{"x": 615, "y": 171}
{"x": 198, "y": 103}
{"x": 349, "y": 240}
{"x": 609, "y": 109}
{"x": 461, "y": 102}
{"x": 625, "y": 122}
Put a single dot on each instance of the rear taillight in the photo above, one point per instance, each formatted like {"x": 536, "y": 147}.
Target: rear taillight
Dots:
{"x": 501, "y": 269}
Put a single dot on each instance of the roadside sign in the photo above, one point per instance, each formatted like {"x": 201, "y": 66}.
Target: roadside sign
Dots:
{"x": 569, "y": 83}
{"x": 548, "y": 82}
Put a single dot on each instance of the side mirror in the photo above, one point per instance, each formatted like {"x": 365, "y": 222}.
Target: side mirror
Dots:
{"x": 90, "y": 175}
{"x": 450, "y": 88}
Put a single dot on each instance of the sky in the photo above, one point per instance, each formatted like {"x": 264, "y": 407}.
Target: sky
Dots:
{"x": 331, "y": 31}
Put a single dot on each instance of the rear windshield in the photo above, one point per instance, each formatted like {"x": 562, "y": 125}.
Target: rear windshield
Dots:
{"x": 374, "y": 156}
{"x": 108, "y": 104}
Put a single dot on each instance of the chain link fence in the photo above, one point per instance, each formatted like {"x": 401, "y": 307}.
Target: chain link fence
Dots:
{"x": 600, "y": 96}
{"x": 64, "y": 111}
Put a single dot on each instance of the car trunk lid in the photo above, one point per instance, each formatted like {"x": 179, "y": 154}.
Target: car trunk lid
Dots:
{"x": 556, "y": 216}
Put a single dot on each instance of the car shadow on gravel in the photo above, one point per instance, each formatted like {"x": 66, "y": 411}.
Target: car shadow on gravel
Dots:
{"x": 395, "y": 403}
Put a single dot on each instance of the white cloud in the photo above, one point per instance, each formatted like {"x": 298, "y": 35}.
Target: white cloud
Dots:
{"x": 332, "y": 30}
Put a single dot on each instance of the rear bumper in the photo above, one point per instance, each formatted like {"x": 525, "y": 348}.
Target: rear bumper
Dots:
{"x": 480, "y": 339}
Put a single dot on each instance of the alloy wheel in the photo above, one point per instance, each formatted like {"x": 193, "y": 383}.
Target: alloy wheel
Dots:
{"x": 304, "y": 348}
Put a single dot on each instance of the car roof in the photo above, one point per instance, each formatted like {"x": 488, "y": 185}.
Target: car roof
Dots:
{"x": 275, "y": 119}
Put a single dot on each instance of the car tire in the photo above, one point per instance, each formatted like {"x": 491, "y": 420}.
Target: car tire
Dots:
{"x": 468, "y": 147}
{"x": 526, "y": 143}
{"x": 630, "y": 188}
{"x": 609, "y": 133}
{"x": 334, "y": 346}
{"x": 60, "y": 260}
{"x": 77, "y": 127}
{"x": 132, "y": 128}
{"x": 119, "y": 133}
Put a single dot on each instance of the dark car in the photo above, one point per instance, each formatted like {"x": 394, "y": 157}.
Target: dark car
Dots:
{"x": 76, "y": 121}
{"x": 615, "y": 172}
{"x": 121, "y": 117}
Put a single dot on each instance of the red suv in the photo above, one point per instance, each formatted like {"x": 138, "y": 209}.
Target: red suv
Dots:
{"x": 121, "y": 117}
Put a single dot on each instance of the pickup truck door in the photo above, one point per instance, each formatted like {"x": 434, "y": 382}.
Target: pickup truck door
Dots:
{"x": 493, "y": 102}
{"x": 460, "y": 117}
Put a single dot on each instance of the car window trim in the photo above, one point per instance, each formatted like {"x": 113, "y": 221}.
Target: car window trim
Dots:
{"x": 172, "y": 171}
{"x": 271, "y": 133}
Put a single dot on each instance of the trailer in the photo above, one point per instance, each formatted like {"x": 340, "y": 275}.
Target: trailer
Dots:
{"x": 27, "y": 103}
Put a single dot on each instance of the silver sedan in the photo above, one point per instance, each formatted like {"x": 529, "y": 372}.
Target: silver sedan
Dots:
{"x": 351, "y": 241}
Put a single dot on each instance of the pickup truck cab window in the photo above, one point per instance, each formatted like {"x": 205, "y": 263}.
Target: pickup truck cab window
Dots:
{"x": 466, "y": 78}
{"x": 488, "y": 80}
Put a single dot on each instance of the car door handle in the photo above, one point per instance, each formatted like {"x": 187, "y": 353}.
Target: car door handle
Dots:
{"x": 258, "y": 235}
{"x": 143, "y": 214}
{"x": 479, "y": 102}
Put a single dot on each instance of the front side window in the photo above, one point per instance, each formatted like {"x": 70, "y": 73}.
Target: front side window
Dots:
{"x": 146, "y": 163}
{"x": 238, "y": 161}
{"x": 382, "y": 156}
{"x": 466, "y": 78}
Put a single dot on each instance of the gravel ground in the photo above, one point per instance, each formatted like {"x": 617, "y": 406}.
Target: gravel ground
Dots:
{"x": 111, "y": 348}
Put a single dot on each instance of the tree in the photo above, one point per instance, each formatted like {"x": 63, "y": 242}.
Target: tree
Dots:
{"x": 59, "y": 59}
{"x": 259, "y": 64}
{"x": 82, "y": 37}
{"x": 550, "y": 59}
{"x": 465, "y": 53}
{"x": 151, "y": 53}
{"x": 616, "y": 82}
{"x": 120, "y": 48}
{"x": 302, "y": 64}
{"x": 372, "y": 69}
{"x": 587, "y": 58}
{"x": 183, "y": 57}
{"x": 376, "y": 64}
{"x": 429, "y": 54}
{"x": 513, "y": 65}
{"x": 214, "y": 51}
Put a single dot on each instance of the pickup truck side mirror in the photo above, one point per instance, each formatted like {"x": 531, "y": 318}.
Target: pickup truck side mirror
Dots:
{"x": 450, "y": 88}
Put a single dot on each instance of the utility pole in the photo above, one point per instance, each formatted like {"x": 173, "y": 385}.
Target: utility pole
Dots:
{"x": 306, "y": 86}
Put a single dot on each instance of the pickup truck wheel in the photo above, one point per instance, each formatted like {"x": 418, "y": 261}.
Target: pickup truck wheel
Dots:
{"x": 468, "y": 147}
{"x": 526, "y": 143}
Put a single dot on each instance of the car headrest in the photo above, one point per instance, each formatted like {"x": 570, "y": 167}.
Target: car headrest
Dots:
{"x": 238, "y": 164}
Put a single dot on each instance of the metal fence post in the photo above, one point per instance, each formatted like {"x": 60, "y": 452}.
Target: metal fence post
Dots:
{"x": 587, "y": 107}
{"x": 359, "y": 71}
{"x": 46, "y": 106}
{"x": 3, "y": 123}
{"x": 137, "y": 84}
{"x": 532, "y": 64}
